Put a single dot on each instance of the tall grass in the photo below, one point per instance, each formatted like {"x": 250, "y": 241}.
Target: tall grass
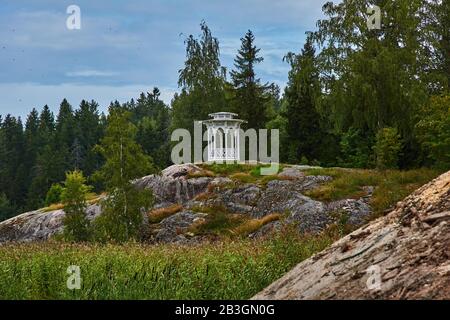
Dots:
{"x": 225, "y": 270}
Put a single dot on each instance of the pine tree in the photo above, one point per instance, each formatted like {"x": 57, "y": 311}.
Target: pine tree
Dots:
{"x": 65, "y": 134}
{"x": 32, "y": 141}
{"x": 249, "y": 97}
{"x": 46, "y": 126}
{"x": 48, "y": 167}
{"x": 152, "y": 119}
{"x": 88, "y": 132}
{"x": 12, "y": 169}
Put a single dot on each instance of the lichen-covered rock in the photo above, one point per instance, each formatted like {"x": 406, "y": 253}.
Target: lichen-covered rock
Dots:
{"x": 174, "y": 228}
{"x": 184, "y": 185}
{"x": 173, "y": 185}
{"x": 38, "y": 225}
{"x": 283, "y": 196}
{"x": 291, "y": 173}
{"x": 356, "y": 210}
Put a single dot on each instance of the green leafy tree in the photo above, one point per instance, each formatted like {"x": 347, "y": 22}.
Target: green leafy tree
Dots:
{"x": 433, "y": 131}
{"x": 73, "y": 196}
{"x": 387, "y": 148}
{"x": 373, "y": 78}
{"x": 201, "y": 81}
{"x": 435, "y": 45}
{"x": 280, "y": 122}
{"x": 123, "y": 209}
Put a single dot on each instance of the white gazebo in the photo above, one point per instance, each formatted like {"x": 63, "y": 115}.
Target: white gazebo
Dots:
{"x": 223, "y": 136}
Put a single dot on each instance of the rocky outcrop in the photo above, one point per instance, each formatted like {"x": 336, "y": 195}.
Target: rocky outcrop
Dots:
{"x": 403, "y": 255}
{"x": 38, "y": 225}
{"x": 184, "y": 184}
{"x": 174, "y": 228}
{"x": 173, "y": 184}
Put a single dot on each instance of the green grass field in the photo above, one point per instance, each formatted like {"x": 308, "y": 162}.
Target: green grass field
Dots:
{"x": 226, "y": 270}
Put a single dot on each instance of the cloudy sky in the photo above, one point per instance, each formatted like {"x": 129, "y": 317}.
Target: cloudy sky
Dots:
{"x": 126, "y": 47}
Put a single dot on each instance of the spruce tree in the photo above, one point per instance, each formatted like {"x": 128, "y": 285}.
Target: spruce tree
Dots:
{"x": 65, "y": 134}
{"x": 48, "y": 168}
{"x": 12, "y": 169}
{"x": 88, "y": 132}
{"x": 249, "y": 96}
{"x": 303, "y": 88}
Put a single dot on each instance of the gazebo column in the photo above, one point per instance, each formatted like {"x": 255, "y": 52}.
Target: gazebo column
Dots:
{"x": 213, "y": 146}
{"x": 232, "y": 142}
{"x": 226, "y": 144}
{"x": 209, "y": 143}
{"x": 236, "y": 143}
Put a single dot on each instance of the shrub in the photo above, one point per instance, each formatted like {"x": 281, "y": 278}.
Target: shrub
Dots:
{"x": 355, "y": 148}
{"x": 122, "y": 216}
{"x": 73, "y": 196}
{"x": 54, "y": 194}
{"x": 391, "y": 186}
{"x": 387, "y": 148}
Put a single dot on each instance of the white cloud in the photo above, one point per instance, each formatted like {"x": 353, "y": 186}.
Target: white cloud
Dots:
{"x": 91, "y": 73}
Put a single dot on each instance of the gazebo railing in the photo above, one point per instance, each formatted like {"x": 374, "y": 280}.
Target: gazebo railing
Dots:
{"x": 223, "y": 154}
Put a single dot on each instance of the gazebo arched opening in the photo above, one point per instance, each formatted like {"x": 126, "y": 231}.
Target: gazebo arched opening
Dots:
{"x": 223, "y": 136}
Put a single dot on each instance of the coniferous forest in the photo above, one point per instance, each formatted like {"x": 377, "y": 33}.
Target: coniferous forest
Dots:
{"x": 355, "y": 97}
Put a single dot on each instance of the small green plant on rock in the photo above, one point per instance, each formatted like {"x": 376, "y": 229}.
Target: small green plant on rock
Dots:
{"x": 73, "y": 196}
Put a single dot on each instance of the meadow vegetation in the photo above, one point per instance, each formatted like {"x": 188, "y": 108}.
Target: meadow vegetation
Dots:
{"x": 221, "y": 270}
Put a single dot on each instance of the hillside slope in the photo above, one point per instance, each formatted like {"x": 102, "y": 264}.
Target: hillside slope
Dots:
{"x": 403, "y": 255}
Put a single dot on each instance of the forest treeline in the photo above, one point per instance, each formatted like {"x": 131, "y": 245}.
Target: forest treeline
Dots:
{"x": 355, "y": 97}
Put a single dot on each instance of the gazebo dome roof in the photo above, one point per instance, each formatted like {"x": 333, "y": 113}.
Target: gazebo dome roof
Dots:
{"x": 222, "y": 117}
